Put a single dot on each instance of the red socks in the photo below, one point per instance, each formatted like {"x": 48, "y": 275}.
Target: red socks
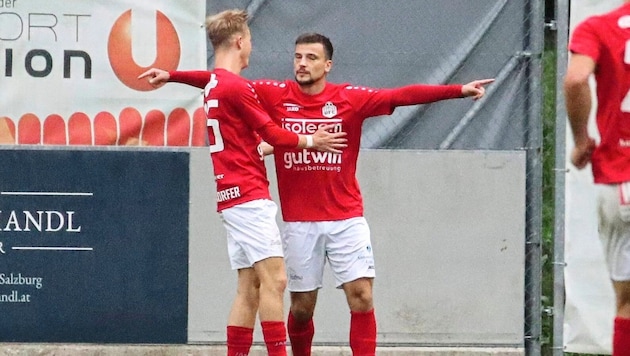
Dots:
{"x": 275, "y": 335}
{"x": 363, "y": 333}
{"x": 239, "y": 340}
{"x": 621, "y": 337}
{"x": 301, "y": 336}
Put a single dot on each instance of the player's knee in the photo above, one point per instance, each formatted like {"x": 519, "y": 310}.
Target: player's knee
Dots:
{"x": 363, "y": 302}
{"x": 301, "y": 313}
{"x": 360, "y": 299}
{"x": 279, "y": 283}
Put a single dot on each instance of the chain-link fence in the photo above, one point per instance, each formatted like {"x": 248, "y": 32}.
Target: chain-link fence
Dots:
{"x": 394, "y": 43}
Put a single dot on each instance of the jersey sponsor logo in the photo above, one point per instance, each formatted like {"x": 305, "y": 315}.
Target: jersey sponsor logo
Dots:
{"x": 329, "y": 110}
{"x": 309, "y": 126}
{"x": 290, "y": 107}
{"x": 310, "y": 160}
{"x": 306, "y": 160}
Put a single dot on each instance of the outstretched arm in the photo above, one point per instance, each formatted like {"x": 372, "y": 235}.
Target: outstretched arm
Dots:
{"x": 159, "y": 77}
{"x": 424, "y": 94}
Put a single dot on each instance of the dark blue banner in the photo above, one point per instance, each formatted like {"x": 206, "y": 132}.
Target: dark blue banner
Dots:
{"x": 93, "y": 246}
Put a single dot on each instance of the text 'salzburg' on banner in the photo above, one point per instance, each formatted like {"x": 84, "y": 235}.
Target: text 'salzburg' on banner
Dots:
{"x": 69, "y": 72}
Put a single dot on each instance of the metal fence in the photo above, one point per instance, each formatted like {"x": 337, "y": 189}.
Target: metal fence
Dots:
{"x": 399, "y": 42}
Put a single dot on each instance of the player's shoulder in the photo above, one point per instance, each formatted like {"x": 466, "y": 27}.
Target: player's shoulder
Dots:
{"x": 353, "y": 87}
{"x": 355, "y": 90}
{"x": 270, "y": 83}
{"x": 229, "y": 79}
{"x": 617, "y": 17}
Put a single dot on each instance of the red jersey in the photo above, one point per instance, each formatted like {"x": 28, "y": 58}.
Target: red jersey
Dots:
{"x": 606, "y": 39}
{"x": 322, "y": 186}
{"x": 234, "y": 113}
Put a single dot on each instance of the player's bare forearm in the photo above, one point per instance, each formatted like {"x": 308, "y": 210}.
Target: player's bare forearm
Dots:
{"x": 577, "y": 95}
{"x": 578, "y": 104}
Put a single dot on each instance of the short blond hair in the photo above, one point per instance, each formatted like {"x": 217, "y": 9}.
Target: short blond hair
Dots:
{"x": 222, "y": 26}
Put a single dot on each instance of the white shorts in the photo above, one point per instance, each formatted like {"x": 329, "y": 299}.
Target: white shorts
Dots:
{"x": 345, "y": 244}
{"x": 613, "y": 209}
{"x": 252, "y": 232}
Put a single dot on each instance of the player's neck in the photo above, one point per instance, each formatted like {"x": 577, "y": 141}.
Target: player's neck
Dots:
{"x": 228, "y": 60}
{"x": 313, "y": 88}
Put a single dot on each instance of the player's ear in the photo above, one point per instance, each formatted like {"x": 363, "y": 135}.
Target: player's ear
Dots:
{"x": 328, "y": 65}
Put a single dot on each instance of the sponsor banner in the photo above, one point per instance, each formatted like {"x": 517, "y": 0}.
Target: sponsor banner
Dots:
{"x": 589, "y": 297}
{"x": 94, "y": 245}
{"x": 68, "y": 72}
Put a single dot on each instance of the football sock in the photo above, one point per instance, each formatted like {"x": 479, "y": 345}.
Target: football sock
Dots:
{"x": 301, "y": 336}
{"x": 363, "y": 333}
{"x": 275, "y": 335}
{"x": 621, "y": 337}
{"x": 239, "y": 340}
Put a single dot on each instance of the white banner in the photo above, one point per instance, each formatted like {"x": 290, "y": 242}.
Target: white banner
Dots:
{"x": 590, "y": 301}
{"x": 68, "y": 72}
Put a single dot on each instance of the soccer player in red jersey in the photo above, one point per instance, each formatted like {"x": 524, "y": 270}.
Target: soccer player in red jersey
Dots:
{"x": 319, "y": 194}
{"x": 331, "y": 227}
{"x": 236, "y": 123}
{"x": 600, "y": 45}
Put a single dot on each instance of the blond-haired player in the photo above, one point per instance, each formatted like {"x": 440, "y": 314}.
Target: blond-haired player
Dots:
{"x": 236, "y": 124}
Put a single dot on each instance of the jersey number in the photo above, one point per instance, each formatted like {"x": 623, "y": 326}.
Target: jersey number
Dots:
{"x": 218, "y": 145}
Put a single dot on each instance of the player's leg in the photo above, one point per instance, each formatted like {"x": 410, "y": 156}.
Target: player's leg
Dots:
{"x": 350, "y": 255}
{"x": 242, "y": 315}
{"x": 359, "y": 294}
{"x": 300, "y": 322}
{"x": 254, "y": 241}
{"x": 273, "y": 281}
{"x": 614, "y": 230}
{"x": 362, "y": 318}
{"x": 621, "y": 337}
{"x": 304, "y": 253}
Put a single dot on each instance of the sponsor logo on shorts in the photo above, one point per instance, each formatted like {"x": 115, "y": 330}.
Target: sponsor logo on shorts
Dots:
{"x": 294, "y": 276}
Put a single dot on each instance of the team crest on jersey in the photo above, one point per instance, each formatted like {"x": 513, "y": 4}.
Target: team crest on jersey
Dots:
{"x": 329, "y": 110}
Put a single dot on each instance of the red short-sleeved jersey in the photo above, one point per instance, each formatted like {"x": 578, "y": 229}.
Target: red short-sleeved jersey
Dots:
{"x": 606, "y": 39}
{"x": 234, "y": 113}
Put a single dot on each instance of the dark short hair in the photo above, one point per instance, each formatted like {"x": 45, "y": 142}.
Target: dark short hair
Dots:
{"x": 316, "y": 38}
